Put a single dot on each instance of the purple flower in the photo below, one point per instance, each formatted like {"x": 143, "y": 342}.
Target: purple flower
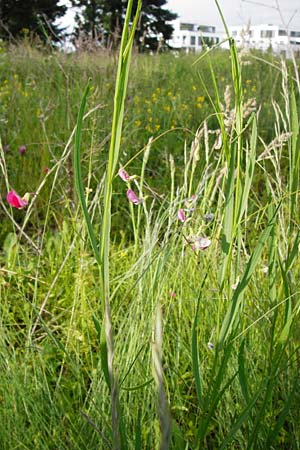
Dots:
{"x": 133, "y": 198}
{"x": 181, "y": 215}
{"x": 22, "y": 149}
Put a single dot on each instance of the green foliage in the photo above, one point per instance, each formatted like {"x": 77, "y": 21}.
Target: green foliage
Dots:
{"x": 103, "y": 20}
{"x": 224, "y": 357}
{"x": 22, "y": 18}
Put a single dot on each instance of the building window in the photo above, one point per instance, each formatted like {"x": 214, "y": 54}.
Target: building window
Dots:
{"x": 295, "y": 34}
{"x": 193, "y": 40}
{"x": 267, "y": 33}
{"x": 206, "y": 29}
{"x": 183, "y": 40}
{"x": 209, "y": 41}
{"x": 187, "y": 26}
{"x": 282, "y": 33}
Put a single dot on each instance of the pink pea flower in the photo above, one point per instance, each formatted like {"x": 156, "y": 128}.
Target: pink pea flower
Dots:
{"x": 172, "y": 294}
{"x": 190, "y": 202}
{"x": 201, "y": 243}
{"x": 133, "y": 198}
{"x": 15, "y": 200}
{"x": 22, "y": 149}
{"x": 124, "y": 175}
{"x": 181, "y": 215}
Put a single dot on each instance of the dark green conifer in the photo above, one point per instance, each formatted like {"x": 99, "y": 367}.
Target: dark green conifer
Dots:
{"x": 18, "y": 17}
{"x": 103, "y": 20}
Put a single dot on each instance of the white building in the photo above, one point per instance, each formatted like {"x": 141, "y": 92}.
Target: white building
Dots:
{"x": 192, "y": 36}
{"x": 267, "y": 37}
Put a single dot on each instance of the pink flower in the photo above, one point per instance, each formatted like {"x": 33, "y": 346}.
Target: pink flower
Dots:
{"x": 132, "y": 197}
{"x": 124, "y": 175}
{"x": 22, "y": 149}
{"x": 15, "y": 200}
{"x": 190, "y": 201}
{"x": 201, "y": 243}
{"x": 172, "y": 294}
{"x": 181, "y": 215}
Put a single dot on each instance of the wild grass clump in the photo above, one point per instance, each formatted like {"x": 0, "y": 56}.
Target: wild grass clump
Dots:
{"x": 157, "y": 308}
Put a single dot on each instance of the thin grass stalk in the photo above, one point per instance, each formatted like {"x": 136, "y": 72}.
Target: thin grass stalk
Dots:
{"x": 102, "y": 255}
{"x": 140, "y": 187}
{"x": 294, "y": 156}
{"x": 234, "y": 198}
{"x": 163, "y": 407}
{"x": 272, "y": 258}
{"x": 3, "y": 166}
{"x": 118, "y": 114}
{"x": 231, "y": 318}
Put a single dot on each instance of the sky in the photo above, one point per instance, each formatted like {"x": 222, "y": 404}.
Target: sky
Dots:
{"x": 236, "y": 12}
{"x": 239, "y": 12}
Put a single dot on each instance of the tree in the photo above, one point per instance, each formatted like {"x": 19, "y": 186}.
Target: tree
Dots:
{"x": 105, "y": 18}
{"x": 154, "y": 27}
{"x": 36, "y": 16}
{"x": 89, "y": 20}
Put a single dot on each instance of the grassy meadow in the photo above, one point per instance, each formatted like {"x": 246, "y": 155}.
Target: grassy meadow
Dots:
{"x": 202, "y": 343}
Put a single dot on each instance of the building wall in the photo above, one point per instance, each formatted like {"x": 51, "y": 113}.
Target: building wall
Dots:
{"x": 265, "y": 37}
{"x": 191, "y": 37}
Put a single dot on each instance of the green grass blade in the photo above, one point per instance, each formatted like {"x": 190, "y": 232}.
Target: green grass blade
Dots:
{"x": 242, "y": 418}
{"x": 103, "y": 348}
{"x": 77, "y": 174}
{"x": 242, "y": 372}
{"x": 231, "y": 315}
{"x": 249, "y": 171}
{"x": 195, "y": 355}
{"x": 295, "y": 157}
{"x": 273, "y": 433}
{"x": 138, "y": 431}
{"x": 228, "y": 224}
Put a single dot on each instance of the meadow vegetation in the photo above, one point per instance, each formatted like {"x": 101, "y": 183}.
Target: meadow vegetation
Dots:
{"x": 206, "y": 341}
